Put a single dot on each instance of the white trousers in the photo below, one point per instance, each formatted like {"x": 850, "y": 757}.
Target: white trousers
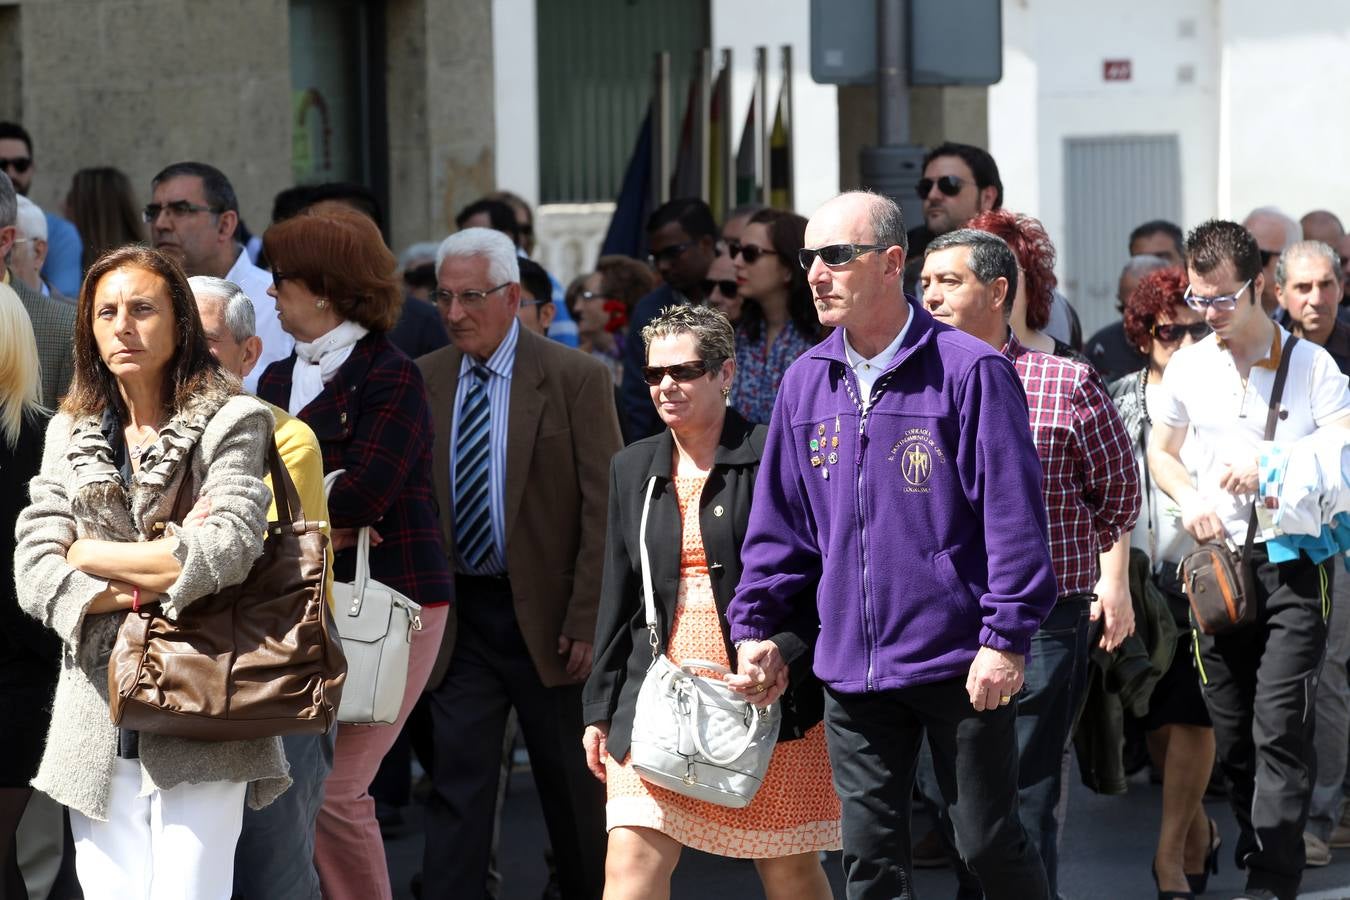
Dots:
{"x": 176, "y": 844}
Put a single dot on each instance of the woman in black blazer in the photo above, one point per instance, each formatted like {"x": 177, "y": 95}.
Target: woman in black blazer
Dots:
{"x": 704, "y": 466}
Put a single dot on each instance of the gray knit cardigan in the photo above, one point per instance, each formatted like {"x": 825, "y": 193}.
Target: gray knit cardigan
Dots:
{"x": 80, "y": 493}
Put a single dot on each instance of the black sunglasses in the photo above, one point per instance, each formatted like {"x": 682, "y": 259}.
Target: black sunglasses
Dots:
{"x": 19, "y": 164}
{"x": 750, "y": 252}
{"x": 726, "y": 286}
{"x": 834, "y": 255}
{"x": 683, "y": 372}
{"x": 1173, "y": 332}
{"x": 669, "y": 254}
{"x": 947, "y": 184}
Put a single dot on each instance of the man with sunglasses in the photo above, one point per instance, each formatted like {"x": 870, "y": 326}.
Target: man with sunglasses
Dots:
{"x": 959, "y": 182}
{"x": 900, "y": 486}
{"x": 1273, "y": 231}
{"x": 1259, "y": 681}
{"x": 681, "y": 240}
{"x": 62, "y": 270}
{"x": 193, "y": 216}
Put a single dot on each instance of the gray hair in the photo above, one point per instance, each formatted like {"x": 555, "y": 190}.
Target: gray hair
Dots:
{"x": 415, "y": 252}
{"x": 9, "y": 204}
{"x": 1140, "y": 265}
{"x": 712, "y": 331}
{"x": 990, "y": 257}
{"x": 1307, "y": 248}
{"x": 883, "y": 214}
{"x": 1293, "y": 232}
{"x": 239, "y": 315}
{"x": 31, "y": 220}
{"x": 497, "y": 248}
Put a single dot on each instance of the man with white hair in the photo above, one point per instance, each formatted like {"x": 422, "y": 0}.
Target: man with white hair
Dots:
{"x": 525, "y": 429}
{"x": 1273, "y": 231}
{"x": 53, "y": 321}
{"x": 275, "y": 853}
{"x": 30, "y": 246}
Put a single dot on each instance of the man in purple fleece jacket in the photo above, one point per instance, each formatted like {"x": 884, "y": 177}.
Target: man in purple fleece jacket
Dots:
{"x": 900, "y": 475}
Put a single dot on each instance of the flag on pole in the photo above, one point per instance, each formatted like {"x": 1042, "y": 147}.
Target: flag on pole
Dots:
{"x": 627, "y": 234}
{"x": 717, "y": 126}
{"x": 780, "y": 151}
{"x": 747, "y": 184}
{"x": 686, "y": 180}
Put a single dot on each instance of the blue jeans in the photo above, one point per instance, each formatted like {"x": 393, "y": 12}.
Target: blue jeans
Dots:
{"x": 1056, "y": 680}
{"x": 275, "y": 853}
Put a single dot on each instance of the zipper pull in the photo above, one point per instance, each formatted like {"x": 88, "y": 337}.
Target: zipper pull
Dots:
{"x": 862, "y": 445}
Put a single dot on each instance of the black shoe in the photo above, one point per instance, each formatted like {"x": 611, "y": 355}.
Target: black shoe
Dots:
{"x": 1199, "y": 882}
{"x": 1170, "y": 895}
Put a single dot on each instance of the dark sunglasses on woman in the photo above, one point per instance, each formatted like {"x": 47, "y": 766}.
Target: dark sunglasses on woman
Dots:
{"x": 1173, "y": 332}
{"x": 726, "y": 286}
{"x": 751, "y": 252}
{"x": 949, "y": 185}
{"x": 684, "y": 372}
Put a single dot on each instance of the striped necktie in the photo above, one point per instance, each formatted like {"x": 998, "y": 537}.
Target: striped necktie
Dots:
{"x": 473, "y": 506}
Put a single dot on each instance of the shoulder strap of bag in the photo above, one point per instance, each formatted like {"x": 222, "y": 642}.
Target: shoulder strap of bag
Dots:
{"x": 648, "y": 596}
{"x": 1272, "y": 417}
{"x": 362, "y": 541}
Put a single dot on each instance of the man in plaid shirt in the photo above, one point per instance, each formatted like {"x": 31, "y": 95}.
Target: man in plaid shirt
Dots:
{"x": 1092, "y": 499}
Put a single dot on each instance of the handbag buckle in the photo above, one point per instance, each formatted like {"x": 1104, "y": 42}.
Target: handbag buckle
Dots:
{"x": 414, "y": 624}
{"x": 689, "y": 772}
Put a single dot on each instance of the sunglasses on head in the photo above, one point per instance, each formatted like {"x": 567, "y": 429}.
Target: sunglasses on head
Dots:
{"x": 834, "y": 255}
{"x": 949, "y": 185}
{"x": 19, "y": 164}
{"x": 1173, "y": 332}
{"x": 726, "y": 287}
{"x": 682, "y": 372}
{"x": 749, "y": 252}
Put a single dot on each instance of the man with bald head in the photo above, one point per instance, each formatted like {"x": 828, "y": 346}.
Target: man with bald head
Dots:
{"x": 1322, "y": 225}
{"x": 901, "y": 488}
{"x": 1273, "y": 231}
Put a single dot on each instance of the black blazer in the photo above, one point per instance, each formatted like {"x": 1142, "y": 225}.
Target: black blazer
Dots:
{"x": 622, "y": 651}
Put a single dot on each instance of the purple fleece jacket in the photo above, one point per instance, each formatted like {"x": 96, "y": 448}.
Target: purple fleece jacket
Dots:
{"x": 924, "y": 522}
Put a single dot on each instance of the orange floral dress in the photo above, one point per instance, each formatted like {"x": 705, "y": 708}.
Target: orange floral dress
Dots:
{"x": 796, "y": 809}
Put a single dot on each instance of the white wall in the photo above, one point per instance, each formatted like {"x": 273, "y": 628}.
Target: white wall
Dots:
{"x": 743, "y": 25}
{"x": 515, "y": 87}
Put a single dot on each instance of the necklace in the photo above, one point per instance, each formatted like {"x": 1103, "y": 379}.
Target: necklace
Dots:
{"x": 139, "y": 449}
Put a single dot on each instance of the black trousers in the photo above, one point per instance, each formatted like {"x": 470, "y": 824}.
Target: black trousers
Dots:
{"x": 1260, "y": 685}
{"x": 491, "y": 673}
{"x": 874, "y": 742}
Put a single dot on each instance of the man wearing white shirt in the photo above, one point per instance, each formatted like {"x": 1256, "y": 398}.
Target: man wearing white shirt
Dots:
{"x": 193, "y": 216}
{"x": 1259, "y": 681}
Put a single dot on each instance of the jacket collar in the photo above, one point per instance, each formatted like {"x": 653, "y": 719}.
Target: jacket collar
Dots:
{"x": 920, "y": 333}
{"x": 733, "y": 447}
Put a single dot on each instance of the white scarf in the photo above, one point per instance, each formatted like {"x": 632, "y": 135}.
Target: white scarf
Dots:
{"x": 317, "y": 362}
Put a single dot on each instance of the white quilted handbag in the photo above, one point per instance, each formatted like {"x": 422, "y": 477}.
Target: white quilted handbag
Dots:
{"x": 693, "y": 734}
{"x": 376, "y": 624}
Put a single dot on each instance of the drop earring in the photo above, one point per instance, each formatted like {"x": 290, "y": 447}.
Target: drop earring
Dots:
{"x": 320, "y": 304}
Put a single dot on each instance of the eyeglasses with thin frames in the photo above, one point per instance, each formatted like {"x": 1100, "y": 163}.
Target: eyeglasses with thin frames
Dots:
{"x": 470, "y": 299}
{"x": 176, "y": 210}
{"x": 1223, "y": 302}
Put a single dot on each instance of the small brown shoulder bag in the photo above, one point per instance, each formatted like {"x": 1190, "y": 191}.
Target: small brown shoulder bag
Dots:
{"x": 1216, "y": 579}
{"x": 256, "y": 659}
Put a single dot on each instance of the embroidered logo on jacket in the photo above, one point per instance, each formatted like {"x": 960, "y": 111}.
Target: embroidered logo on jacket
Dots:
{"x": 917, "y": 454}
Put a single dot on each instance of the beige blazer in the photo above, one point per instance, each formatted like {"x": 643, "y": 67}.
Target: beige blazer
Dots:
{"x": 562, "y": 430}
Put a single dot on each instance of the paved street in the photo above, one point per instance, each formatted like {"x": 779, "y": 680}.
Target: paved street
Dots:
{"x": 1107, "y": 847}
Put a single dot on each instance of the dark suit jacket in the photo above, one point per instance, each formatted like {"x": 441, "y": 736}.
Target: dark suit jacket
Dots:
{"x": 372, "y": 420}
{"x": 54, "y": 327}
{"x": 622, "y": 651}
{"x": 561, "y": 433}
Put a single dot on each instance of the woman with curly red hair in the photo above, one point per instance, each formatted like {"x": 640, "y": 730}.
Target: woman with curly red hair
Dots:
{"x": 1180, "y": 737}
{"x": 1035, "y": 299}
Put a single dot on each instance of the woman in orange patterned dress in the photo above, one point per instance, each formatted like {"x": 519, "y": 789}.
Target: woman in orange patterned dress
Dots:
{"x": 704, "y": 465}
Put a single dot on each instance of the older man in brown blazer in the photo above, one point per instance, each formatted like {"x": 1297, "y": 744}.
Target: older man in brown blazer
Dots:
{"x": 525, "y": 429}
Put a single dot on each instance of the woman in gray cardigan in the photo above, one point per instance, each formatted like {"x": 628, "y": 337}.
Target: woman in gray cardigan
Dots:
{"x": 152, "y": 816}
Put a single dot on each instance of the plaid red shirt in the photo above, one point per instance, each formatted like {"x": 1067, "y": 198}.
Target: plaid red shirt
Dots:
{"x": 1091, "y": 482}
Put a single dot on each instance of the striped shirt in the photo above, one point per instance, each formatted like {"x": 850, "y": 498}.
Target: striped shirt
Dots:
{"x": 498, "y": 385}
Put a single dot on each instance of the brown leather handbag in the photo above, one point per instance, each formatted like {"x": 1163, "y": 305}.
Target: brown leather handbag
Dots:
{"x": 1217, "y": 580}
{"x": 256, "y": 659}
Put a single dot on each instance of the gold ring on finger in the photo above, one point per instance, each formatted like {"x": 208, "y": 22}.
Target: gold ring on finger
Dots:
{"x": 1005, "y": 700}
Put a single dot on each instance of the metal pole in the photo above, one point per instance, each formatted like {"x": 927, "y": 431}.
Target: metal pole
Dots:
{"x": 728, "y": 128}
{"x": 761, "y": 120}
{"x": 660, "y": 111}
{"x": 703, "y": 101}
{"x": 788, "y": 160}
{"x": 892, "y": 75}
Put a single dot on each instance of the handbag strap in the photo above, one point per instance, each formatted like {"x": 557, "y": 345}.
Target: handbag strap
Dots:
{"x": 287, "y": 497}
{"x": 736, "y": 752}
{"x": 362, "y": 548}
{"x": 648, "y": 596}
{"x": 1272, "y": 417}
